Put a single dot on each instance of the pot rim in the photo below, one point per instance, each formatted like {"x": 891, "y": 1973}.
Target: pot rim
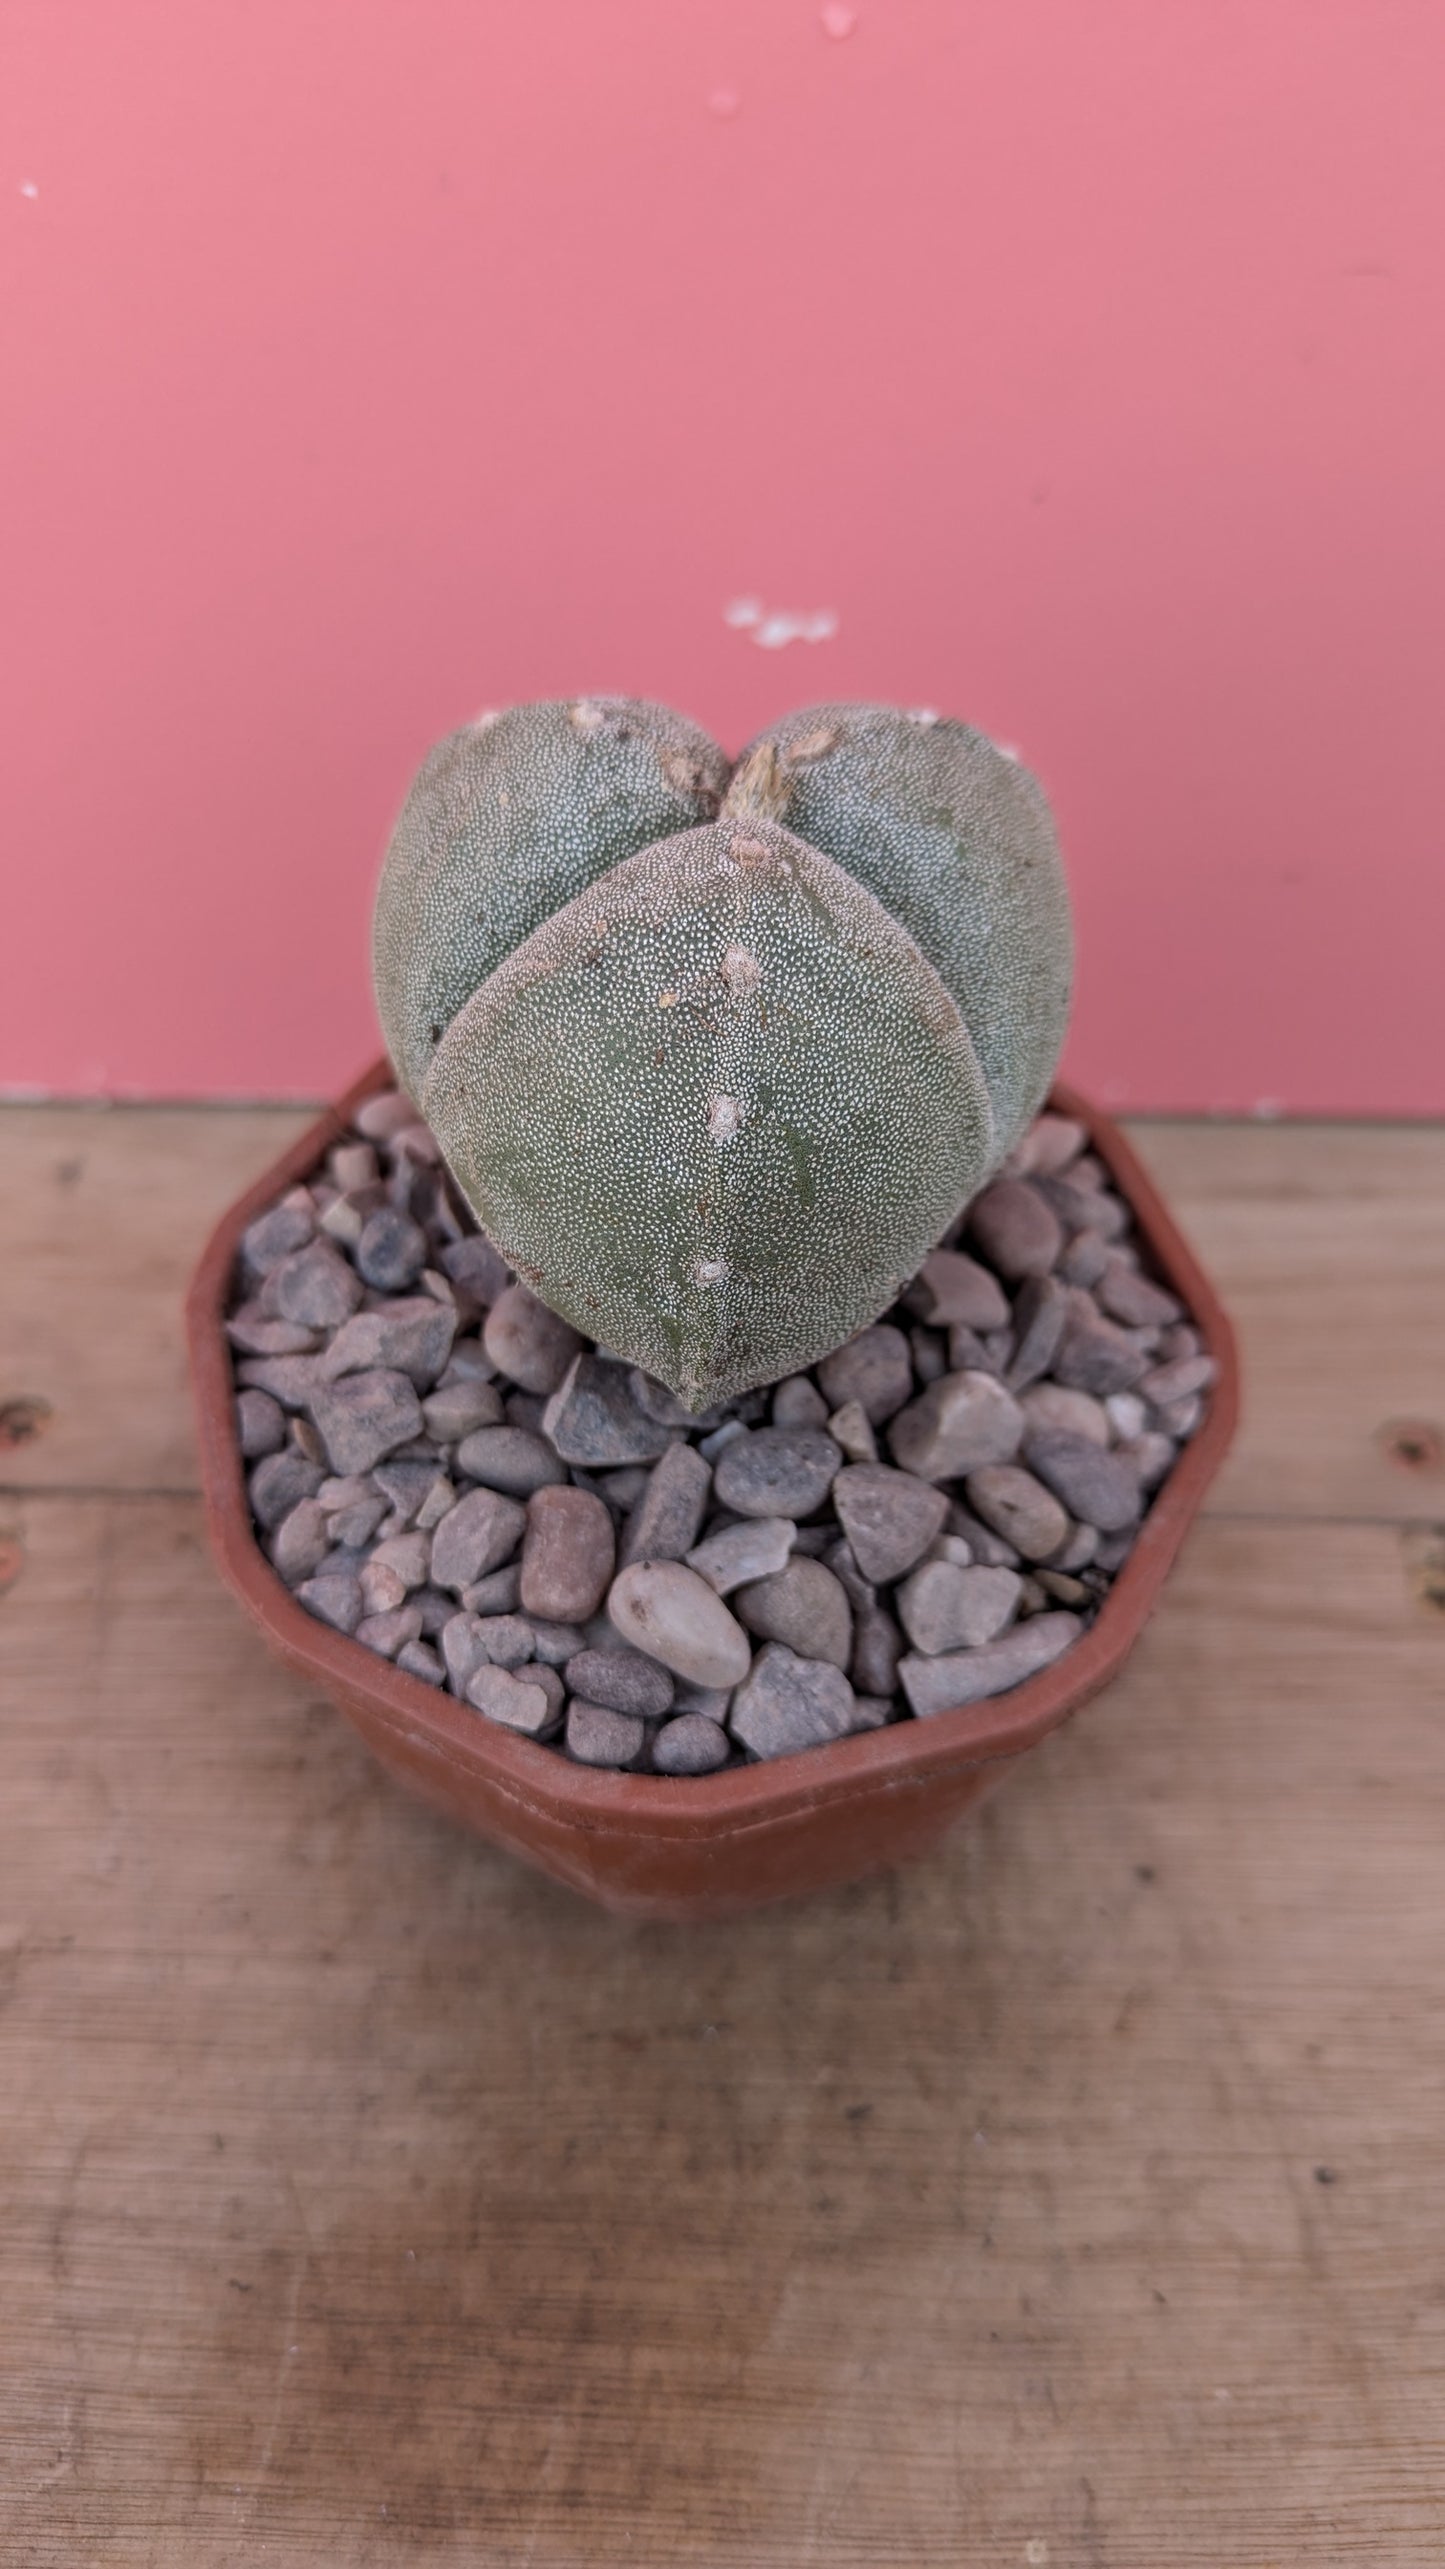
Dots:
{"x": 903, "y": 1756}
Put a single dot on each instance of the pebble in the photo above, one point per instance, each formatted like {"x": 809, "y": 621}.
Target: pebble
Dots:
{"x": 524, "y": 1704}
{"x": 1019, "y": 1508}
{"x": 1041, "y": 1307}
{"x": 1092, "y": 1480}
{"x": 335, "y": 1598}
{"x": 462, "y": 1649}
{"x": 797, "y": 1402}
{"x": 510, "y": 1458}
{"x": 1127, "y": 1295}
{"x": 968, "y": 1354}
{"x": 391, "y": 1250}
{"x": 1085, "y": 1259}
{"x": 555, "y": 1643}
{"x": 802, "y": 1605}
{"x": 598, "y": 1735}
{"x": 690, "y": 1745}
{"x": 971, "y": 1676}
{"x": 1127, "y": 1414}
{"x": 291, "y": 1380}
{"x": 715, "y": 1702}
{"x": 386, "y": 1634}
{"x": 1095, "y": 1356}
{"x": 409, "y": 1555}
{"x": 260, "y": 1425}
{"x": 1092, "y": 1208}
{"x": 1065, "y": 1590}
{"x": 951, "y": 1288}
{"x": 786, "y": 1702}
{"x": 1051, "y": 1142}
{"x": 1179, "y": 1418}
{"x": 623, "y": 1488}
{"x": 406, "y": 1487}
{"x": 890, "y": 1518}
{"x": 945, "y": 1608}
{"x": 250, "y": 1329}
{"x": 719, "y": 1438}
{"x": 873, "y": 1712}
{"x": 365, "y": 1417}
{"x": 754, "y": 1549}
{"x": 957, "y": 1425}
{"x": 277, "y": 1234}
{"x": 411, "y": 1337}
{"x": 524, "y": 1339}
{"x": 498, "y": 1593}
{"x": 474, "y": 1537}
{"x": 985, "y": 1543}
{"x": 877, "y": 1648}
{"x": 1077, "y": 1413}
{"x": 506, "y": 1640}
{"x": 381, "y": 1590}
{"x": 479, "y": 1271}
{"x": 875, "y": 1369}
{"x": 1149, "y": 1456}
{"x": 456, "y": 1410}
{"x": 1080, "y": 1549}
{"x": 301, "y": 1542}
{"x": 1016, "y": 1228}
{"x": 381, "y": 1117}
{"x": 670, "y": 1613}
{"x": 776, "y": 1471}
{"x": 420, "y": 1660}
{"x": 623, "y": 1679}
{"x": 849, "y": 1427}
{"x": 569, "y": 1553}
{"x": 467, "y": 1363}
{"x": 278, "y": 1483}
{"x": 666, "y": 1521}
{"x": 593, "y": 1419}
{"x": 314, "y": 1285}
{"x": 839, "y": 1556}
{"x": 1178, "y": 1380}
{"x": 930, "y": 1354}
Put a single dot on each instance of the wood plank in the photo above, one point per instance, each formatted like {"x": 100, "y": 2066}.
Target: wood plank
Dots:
{"x": 368, "y": 2200}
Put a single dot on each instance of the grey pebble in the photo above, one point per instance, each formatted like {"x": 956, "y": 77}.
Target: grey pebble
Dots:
{"x": 385, "y": 1114}
{"x": 786, "y": 1703}
{"x": 409, "y": 1555}
{"x": 1133, "y": 1298}
{"x": 364, "y": 1417}
{"x": 1085, "y": 1259}
{"x": 797, "y": 1402}
{"x": 930, "y": 1353}
{"x": 278, "y": 1483}
{"x": 1051, "y": 1142}
{"x": 334, "y": 1598}
{"x": 525, "y": 1340}
{"x": 260, "y": 1425}
{"x": 412, "y": 1337}
{"x": 1078, "y": 1413}
{"x": 958, "y": 1424}
{"x": 713, "y": 1702}
{"x": 301, "y": 1542}
{"x": 1095, "y": 1356}
{"x": 555, "y": 1643}
{"x": 1094, "y": 1483}
{"x": 597, "y": 1735}
{"x": 951, "y": 1287}
{"x": 873, "y": 1712}
{"x": 1041, "y": 1307}
{"x": 667, "y": 1611}
{"x": 943, "y": 1607}
{"x": 1019, "y": 1508}
{"x": 971, "y": 1676}
{"x": 877, "y": 1649}
{"x": 277, "y": 1235}
{"x": 477, "y": 1269}
{"x": 250, "y": 1330}
{"x": 849, "y": 1428}
{"x": 623, "y": 1679}
{"x": 456, "y": 1410}
{"x": 381, "y": 1590}
{"x": 970, "y": 1354}
{"x": 474, "y": 1537}
{"x": 802, "y": 1605}
{"x": 391, "y": 1251}
{"x": 420, "y": 1660}
{"x": 1017, "y": 1228}
{"x": 890, "y": 1518}
{"x": 719, "y": 1439}
{"x": 386, "y": 1634}
{"x": 751, "y": 1549}
{"x": 875, "y": 1369}
{"x": 664, "y": 1524}
{"x": 315, "y": 1286}
{"x": 985, "y": 1543}
{"x": 498, "y": 1593}
{"x": 777, "y": 1471}
{"x": 1178, "y": 1380}
{"x": 593, "y": 1419}
{"x": 291, "y": 1380}
{"x": 406, "y": 1487}
{"x": 506, "y": 1640}
{"x": 690, "y": 1745}
{"x": 523, "y": 1704}
{"x": 1091, "y": 1208}
{"x": 511, "y": 1459}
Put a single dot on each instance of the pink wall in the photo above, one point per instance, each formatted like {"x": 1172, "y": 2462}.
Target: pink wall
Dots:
{"x": 369, "y": 361}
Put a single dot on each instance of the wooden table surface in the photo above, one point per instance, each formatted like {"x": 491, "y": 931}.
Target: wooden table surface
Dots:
{"x": 1073, "y": 2198}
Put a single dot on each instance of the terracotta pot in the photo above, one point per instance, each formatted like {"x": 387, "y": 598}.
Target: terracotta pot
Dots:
{"x": 701, "y": 1846}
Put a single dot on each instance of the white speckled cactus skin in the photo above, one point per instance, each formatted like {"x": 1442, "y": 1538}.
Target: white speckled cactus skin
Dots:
{"x": 715, "y": 1085}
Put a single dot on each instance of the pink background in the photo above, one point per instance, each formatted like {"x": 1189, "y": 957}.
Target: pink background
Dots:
{"x": 370, "y": 361}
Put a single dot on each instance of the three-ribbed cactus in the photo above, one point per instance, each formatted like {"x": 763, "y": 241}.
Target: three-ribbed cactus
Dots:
{"x": 716, "y": 1053}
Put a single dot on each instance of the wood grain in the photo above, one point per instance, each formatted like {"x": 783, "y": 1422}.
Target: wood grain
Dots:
{"x": 1070, "y": 2198}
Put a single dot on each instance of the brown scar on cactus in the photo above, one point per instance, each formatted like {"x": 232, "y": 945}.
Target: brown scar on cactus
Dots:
{"x": 564, "y": 874}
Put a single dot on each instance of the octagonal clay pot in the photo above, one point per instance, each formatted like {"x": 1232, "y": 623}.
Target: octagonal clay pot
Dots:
{"x": 698, "y": 1846}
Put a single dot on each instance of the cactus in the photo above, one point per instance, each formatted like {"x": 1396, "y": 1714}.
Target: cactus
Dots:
{"x": 717, "y": 1059}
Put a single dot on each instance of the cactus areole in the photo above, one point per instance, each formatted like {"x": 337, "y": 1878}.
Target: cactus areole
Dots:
{"x": 717, "y": 1053}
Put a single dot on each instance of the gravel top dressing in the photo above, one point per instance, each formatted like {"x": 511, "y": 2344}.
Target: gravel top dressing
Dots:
{"x": 441, "y": 1468}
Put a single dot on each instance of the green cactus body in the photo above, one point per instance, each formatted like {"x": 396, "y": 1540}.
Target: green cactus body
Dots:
{"x": 505, "y": 821}
{"x": 957, "y": 841}
{"x": 715, "y": 1085}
